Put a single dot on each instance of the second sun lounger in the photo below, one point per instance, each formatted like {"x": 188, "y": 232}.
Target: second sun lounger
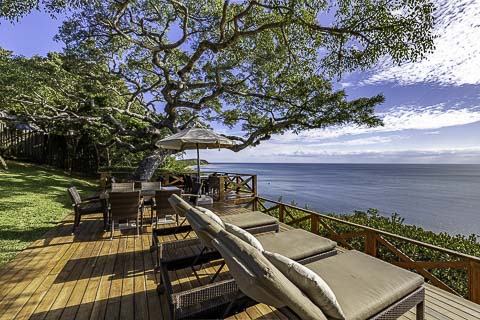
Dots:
{"x": 297, "y": 244}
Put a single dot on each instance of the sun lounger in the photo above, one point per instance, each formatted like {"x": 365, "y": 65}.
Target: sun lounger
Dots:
{"x": 253, "y": 221}
{"x": 297, "y": 244}
{"x": 352, "y": 286}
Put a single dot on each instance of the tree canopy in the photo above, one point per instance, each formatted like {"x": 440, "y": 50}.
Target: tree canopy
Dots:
{"x": 264, "y": 66}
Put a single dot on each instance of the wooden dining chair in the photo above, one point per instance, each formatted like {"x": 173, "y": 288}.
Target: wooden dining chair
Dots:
{"x": 125, "y": 205}
{"x": 162, "y": 206}
{"x": 86, "y": 206}
{"x": 188, "y": 183}
{"x": 214, "y": 186}
{"x": 123, "y": 186}
{"x": 148, "y": 192}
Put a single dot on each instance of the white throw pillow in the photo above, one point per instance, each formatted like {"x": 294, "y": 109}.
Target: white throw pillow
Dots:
{"x": 244, "y": 235}
{"x": 212, "y": 216}
{"x": 309, "y": 283}
{"x": 257, "y": 278}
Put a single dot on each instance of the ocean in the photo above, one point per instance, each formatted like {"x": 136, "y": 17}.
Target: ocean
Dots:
{"x": 438, "y": 197}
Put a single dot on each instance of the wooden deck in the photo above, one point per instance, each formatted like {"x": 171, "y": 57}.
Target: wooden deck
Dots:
{"x": 87, "y": 276}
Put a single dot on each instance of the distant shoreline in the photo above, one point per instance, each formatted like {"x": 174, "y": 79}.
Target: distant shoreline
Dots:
{"x": 350, "y": 163}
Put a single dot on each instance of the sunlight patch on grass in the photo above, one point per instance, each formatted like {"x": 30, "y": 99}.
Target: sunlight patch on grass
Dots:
{"x": 33, "y": 199}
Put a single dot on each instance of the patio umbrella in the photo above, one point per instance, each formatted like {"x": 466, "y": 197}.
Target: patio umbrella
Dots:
{"x": 195, "y": 138}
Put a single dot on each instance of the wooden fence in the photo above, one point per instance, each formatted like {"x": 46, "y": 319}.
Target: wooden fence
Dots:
{"x": 75, "y": 153}
{"x": 234, "y": 186}
{"x": 383, "y": 245}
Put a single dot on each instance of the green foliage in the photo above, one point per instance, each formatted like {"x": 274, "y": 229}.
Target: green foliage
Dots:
{"x": 62, "y": 94}
{"x": 58, "y": 93}
{"x": 13, "y": 10}
{"x": 33, "y": 200}
{"x": 171, "y": 164}
{"x": 454, "y": 278}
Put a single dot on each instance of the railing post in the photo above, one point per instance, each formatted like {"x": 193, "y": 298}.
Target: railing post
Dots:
{"x": 281, "y": 212}
{"x": 221, "y": 188}
{"x": 370, "y": 243}
{"x": 237, "y": 182}
{"x": 474, "y": 281}
{"x": 103, "y": 180}
{"x": 254, "y": 185}
{"x": 314, "y": 224}
{"x": 255, "y": 203}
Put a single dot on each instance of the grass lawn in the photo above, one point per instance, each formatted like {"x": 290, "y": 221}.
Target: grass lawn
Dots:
{"x": 33, "y": 199}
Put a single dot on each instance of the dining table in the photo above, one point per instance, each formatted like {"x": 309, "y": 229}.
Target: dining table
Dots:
{"x": 143, "y": 193}
{"x": 144, "y": 196}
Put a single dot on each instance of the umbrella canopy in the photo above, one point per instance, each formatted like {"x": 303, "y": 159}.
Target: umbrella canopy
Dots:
{"x": 195, "y": 138}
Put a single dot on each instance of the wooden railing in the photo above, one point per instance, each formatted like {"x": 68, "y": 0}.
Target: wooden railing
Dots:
{"x": 381, "y": 244}
{"x": 234, "y": 186}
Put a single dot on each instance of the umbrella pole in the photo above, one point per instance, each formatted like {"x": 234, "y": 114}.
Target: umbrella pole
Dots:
{"x": 198, "y": 163}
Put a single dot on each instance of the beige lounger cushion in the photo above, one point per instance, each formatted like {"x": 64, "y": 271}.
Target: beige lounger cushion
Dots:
{"x": 249, "y": 219}
{"x": 296, "y": 243}
{"x": 244, "y": 235}
{"x": 179, "y": 205}
{"x": 260, "y": 280}
{"x": 309, "y": 282}
{"x": 364, "y": 285}
{"x": 202, "y": 224}
{"x": 212, "y": 216}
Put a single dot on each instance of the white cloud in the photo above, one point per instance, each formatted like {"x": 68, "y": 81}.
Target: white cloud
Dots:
{"x": 446, "y": 155}
{"x": 398, "y": 119}
{"x": 455, "y": 60}
{"x": 346, "y": 84}
{"x": 354, "y": 142}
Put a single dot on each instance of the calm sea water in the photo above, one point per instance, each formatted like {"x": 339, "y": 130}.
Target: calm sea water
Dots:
{"x": 436, "y": 197}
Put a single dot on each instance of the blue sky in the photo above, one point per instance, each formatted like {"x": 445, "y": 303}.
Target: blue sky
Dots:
{"x": 431, "y": 112}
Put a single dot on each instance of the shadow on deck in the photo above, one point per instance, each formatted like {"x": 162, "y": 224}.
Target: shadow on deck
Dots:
{"x": 87, "y": 276}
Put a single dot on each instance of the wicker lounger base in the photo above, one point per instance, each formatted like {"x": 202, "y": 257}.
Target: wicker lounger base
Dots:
{"x": 224, "y": 298}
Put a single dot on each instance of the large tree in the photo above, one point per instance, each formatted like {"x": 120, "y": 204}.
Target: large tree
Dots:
{"x": 263, "y": 66}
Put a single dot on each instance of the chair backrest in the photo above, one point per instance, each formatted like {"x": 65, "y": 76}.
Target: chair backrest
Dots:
{"x": 214, "y": 182}
{"x": 188, "y": 182}
{"x": 124, "y": 204}
{"x": 161, "y": 199}
{"x": 196, "y": 190}
{"x": 260, "y": 280}
{"x": 74, "y": 195}
{"x": 151, "y": 185}
{"x": 123, "y": 186}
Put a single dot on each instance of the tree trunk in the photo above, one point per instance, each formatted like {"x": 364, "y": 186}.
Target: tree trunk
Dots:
{"x": 146, "y": 168}
{"x": 3, "y": 163}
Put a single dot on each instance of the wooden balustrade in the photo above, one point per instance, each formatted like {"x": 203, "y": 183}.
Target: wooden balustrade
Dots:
{"x": 235, "y": 187}
{"x": 374, "y": 240}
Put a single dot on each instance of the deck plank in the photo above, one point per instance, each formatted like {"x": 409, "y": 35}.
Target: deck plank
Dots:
{"x": 27, "y": 288}
{"x": 86, "y": 305}
{"x": 139, "y": 283}
{"x": 87, "y": 276}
